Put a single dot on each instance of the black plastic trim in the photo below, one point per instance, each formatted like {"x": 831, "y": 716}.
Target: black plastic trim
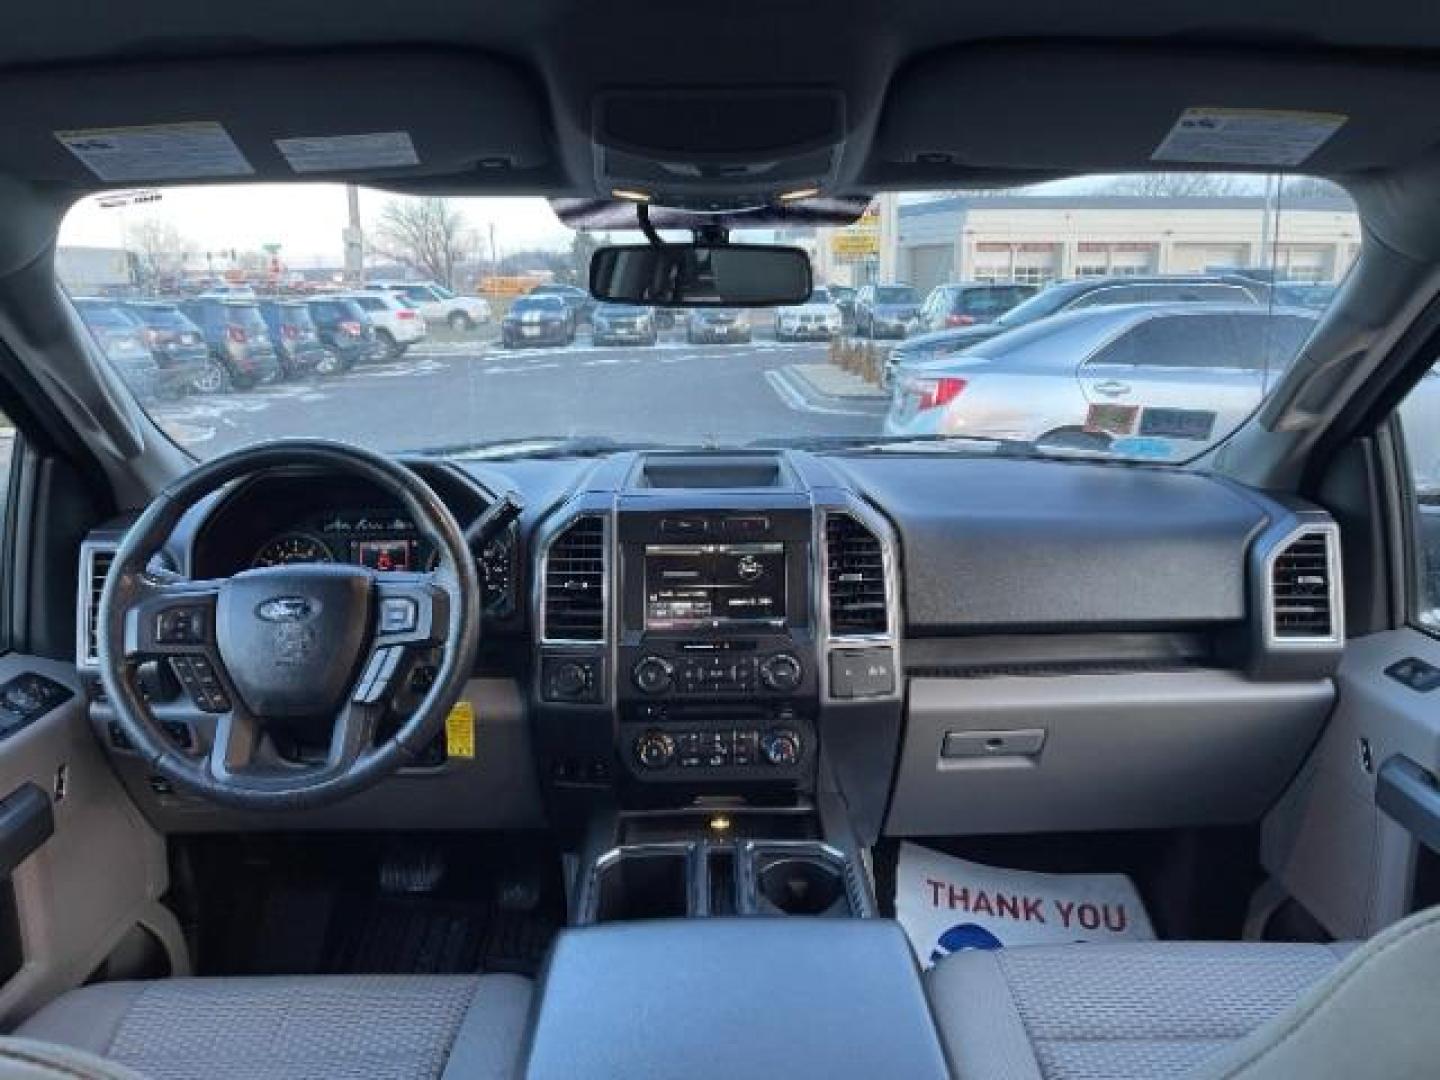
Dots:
{"x": 1411, "y": 795}
{"x": 26, "y": 822}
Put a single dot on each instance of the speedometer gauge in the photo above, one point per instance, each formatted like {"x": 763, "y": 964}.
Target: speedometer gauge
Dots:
{"x": 292, "y": 548}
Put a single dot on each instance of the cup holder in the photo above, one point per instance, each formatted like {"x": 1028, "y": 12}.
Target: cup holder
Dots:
{"x": 641, "y": 883}
{"x": 809, "y": 883}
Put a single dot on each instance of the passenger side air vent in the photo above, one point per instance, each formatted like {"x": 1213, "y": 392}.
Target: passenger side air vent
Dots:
{"x": 95, "y": 566}
{"x": 575, "y": 583}
{"x": 854, "y": 578}
{"x": 1303, "y": 598}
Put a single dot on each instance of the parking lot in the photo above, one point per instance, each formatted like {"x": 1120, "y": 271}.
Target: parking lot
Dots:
{"x": 462, "y": 392}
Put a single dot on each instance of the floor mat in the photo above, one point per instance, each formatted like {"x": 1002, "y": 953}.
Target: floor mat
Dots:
{"x": 302, "y": 907}
{"x": 947, "y": 904}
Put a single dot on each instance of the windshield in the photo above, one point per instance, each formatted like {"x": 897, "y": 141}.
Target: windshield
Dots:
{"x": 161, "y": 317}
{"x": 458, "y": 375}
{"x": 105, "y": 317}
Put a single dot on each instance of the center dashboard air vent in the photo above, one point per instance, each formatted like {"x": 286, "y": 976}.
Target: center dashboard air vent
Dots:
{"x": 1304, "y": 599}
{"x": 575, "y": 582}
{"x": 854, "y": 578}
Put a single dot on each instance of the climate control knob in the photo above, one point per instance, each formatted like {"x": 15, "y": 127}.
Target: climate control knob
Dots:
{"x": 570, "y": 679}
{"x": 654, "y": 749}
{"x": 653, "y": 675}
{"x": 781, "y": 672}
{"x": 781, "y": 747}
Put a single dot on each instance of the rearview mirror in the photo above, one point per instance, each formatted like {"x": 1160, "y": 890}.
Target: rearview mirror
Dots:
{"x": 701, "y": 275}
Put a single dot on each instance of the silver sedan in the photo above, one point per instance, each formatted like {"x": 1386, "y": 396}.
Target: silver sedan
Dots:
{"x": 1147, "y": 380}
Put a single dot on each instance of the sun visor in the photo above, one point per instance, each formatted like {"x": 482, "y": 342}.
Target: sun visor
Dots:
{"x": 370, "y": 115}
{"x": 1075, "y": 109}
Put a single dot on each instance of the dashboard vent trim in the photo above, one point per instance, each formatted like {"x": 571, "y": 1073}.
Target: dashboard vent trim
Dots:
{"x": 95, "y": 563}
{"x": 575, "y": 586}
{"x": 858, "y": 604}
{"x": 1302, "y": 588}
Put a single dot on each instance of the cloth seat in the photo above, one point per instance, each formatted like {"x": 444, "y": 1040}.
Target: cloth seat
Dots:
{"x": 1190, "y": 1009}
{"x": 377, "y": 1027}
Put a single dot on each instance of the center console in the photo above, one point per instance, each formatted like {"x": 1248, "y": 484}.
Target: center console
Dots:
{"x": 716, "y": 633}
{"x": 715, "y": 654}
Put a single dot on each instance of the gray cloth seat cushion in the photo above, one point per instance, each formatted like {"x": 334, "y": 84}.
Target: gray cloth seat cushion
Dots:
{"x": 1122, "y": 1011}
{"x": 376, "y": 1027}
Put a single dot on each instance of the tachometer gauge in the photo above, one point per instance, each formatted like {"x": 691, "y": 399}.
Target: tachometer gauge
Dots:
{"x": 292, "y": 548}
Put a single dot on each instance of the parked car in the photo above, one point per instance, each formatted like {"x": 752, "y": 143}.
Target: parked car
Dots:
{"x": 1076, "y": 295}
{"x": 717, "y": 325}
{"x": 238, "y": 339}
{"x": 221, "y": 290}
{"x": 296, "y": 339}
{"x": 886, "y": 311}
{"x": 437, "y": 304}
{"x": 969, "y": 303}
{"x": 818, "y": 318}
{"x": 1315, "y": 295}
{"x": 344, "y": 328}
{"x": 619, "y": 324}
{"x": 1136, "y": 378}
{"x": 844, "y": 297}
{"x": 578, "y": 300}
{"x": 537, "y": 320}
{"x": 397, "y": 322}
{"x": 177, "y": 345}
{"x": 118, "y": 336}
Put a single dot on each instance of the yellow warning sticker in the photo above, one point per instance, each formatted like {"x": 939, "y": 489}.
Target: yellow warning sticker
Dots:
{"x": 460, "y": 731}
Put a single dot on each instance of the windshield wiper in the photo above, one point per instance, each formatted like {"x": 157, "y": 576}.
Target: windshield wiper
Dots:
{"x": 970, "y": 444}
{"x": 544, "y": 446}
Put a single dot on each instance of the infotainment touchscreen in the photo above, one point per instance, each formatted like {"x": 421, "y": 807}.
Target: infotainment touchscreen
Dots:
{"x": 714, "y": 586}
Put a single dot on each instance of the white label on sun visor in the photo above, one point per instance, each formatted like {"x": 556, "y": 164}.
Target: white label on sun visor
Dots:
{"x": 1272, "y": 137}
{"x": 194, "y": 151}
{"x": 335, "y": 153}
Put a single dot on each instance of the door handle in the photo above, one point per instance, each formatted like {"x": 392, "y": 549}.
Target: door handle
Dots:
{"x": 1112, "y": 388}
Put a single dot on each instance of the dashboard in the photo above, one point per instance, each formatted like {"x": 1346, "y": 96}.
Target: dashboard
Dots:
{"x": 948, "y": 643}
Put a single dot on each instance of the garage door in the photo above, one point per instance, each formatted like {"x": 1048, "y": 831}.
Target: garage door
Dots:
{"x": 1207, "y": 258}
{"x": 931, "y": 265}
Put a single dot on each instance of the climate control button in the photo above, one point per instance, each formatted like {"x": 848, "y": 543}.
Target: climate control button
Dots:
{"x": 781, "y": 747}
{"x": 654, "y": 675}
{"x": 781, "y": 672}
{"x": 654, "y": 750}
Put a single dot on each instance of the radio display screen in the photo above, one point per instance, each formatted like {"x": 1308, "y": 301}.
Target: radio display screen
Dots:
{"x": 714, "y": 586}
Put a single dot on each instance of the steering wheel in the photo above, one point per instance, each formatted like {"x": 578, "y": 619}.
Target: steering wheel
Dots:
{"x": 323, "y": 648}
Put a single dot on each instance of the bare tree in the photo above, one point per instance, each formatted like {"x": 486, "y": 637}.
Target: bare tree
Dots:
{"x": 159, "y": 249}
{"x": 429, "y": 235}
{"x": 1312, "y": 187}
{"x": 1173, "y": 185}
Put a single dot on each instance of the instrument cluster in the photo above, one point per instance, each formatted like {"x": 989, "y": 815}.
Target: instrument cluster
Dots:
{"x": 384, "y": 540}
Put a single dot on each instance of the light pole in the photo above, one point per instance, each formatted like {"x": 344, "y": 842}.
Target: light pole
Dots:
{"x": 354, "y": 239}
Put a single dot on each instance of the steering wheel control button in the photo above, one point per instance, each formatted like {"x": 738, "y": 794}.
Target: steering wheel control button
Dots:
{"x": 654, "y": 750}
{"x": 399, "y": 615}
{"x": 180, "y": 626}
{"x": 781, "y": 747}
{"x": 781, "y": 673}
{"x": 654, "y": 675}
{"x": 198, "y": 679}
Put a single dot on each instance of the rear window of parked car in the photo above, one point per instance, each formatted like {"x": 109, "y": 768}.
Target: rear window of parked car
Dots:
{"x": 106, "y": 316}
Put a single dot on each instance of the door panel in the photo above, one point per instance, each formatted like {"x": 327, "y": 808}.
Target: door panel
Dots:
{"x": 1327, "y": 841}
{"x": 102, "y": 870}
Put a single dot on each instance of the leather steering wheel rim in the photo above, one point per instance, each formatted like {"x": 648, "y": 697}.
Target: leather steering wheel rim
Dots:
{"x": 129, "y": 581}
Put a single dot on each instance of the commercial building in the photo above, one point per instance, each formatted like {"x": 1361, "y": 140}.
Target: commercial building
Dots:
{"x": 1041, "y": 238}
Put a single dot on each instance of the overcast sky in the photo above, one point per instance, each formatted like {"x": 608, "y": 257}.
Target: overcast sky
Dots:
{"x": 305, "y": 219}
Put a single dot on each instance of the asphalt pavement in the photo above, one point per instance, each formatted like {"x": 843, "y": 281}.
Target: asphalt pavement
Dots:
{"x": 444, "y": 394}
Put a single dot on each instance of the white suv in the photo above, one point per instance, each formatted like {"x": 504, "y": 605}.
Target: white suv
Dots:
{"x": 436, "y": 303}
{"x": 398, "y": 323}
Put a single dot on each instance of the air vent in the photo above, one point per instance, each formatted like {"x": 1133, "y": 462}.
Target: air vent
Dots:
{"x": 1302, "y": 589}
{"x": 575, "y": 583}
{"x": 94, "y": 570}
{"x": 855, "y": 578}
